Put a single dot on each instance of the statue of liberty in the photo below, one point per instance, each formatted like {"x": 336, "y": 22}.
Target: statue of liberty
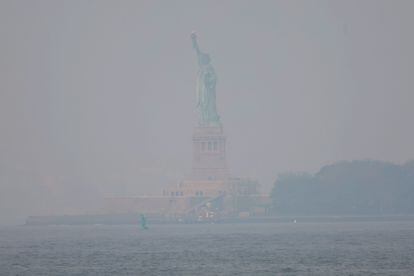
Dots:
{"x": 206, "y": 88}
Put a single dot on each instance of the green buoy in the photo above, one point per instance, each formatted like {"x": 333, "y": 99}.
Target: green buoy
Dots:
{"x": 143, "y": 221}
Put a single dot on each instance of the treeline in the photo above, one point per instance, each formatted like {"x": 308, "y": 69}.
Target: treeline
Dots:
{"x": 347, "y": 188}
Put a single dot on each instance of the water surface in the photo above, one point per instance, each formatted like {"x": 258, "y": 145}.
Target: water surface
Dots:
{"x": 347, "y": 248}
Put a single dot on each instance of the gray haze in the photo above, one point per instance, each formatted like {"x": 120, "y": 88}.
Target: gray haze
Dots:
{"x": 97, "y": 98}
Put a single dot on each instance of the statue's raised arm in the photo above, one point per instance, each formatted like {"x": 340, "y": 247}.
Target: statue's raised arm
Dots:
{"x": 203, "y": 58}
{"x": 195, "y": 44}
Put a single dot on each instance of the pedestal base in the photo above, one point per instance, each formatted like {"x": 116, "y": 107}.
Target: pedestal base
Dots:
{"x": 209, "y": 160}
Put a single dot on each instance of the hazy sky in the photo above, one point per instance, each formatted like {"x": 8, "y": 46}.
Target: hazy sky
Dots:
{"x": 98, "y": 97}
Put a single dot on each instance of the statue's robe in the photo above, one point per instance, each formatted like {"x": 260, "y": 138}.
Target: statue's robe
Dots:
{"x": 206, "y": 95}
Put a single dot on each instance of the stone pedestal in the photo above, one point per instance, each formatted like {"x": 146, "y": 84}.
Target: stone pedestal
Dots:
{"x": 209, "y": 154}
